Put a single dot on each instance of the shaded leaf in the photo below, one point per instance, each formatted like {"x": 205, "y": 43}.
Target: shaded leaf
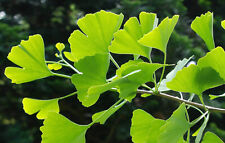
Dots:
{"x": 96, "y": 76}
{"x": 29, "y": 55}
{"x": 99, "y": 29}
{"x": 175, "y": 127}
{"x": 159, "y": 37}
{"x": 210, "y": 137}
{"x": 59, "y": 129}
{"x": 201, "y": 129}
{"x": 145, "y": 128}
{"x": 203, "y": 26}
{"x": 43, "y": 107}
{"x": 132, "y": 32}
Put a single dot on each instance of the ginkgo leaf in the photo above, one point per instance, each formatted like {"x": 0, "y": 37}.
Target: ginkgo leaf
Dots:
{"x": 29, "y": 55}
{"x": 59, "y": 129}
{"x": 99, "y": 29}
{"x": 212, "y": 97}
{"x": 172, "y": 74}
{"x": 210, "y": 137}
{"x": 96, "y": 76}
{"x": 214, "y": 59}
{"x": 54, "y": 66}
{"x": 205, "y": 75}
{"x": 175, "y": 127}
{"x": 102, "y": 116}
{"x": 130, "y": 76}
{"x": 132, "y": 32}
{"x": 43, "y": 107}
{"x": 223, "y": 24}
{"x": 159, "y": 37}
{"x": 203, "y": 26}
{"x": 144, "y": 127}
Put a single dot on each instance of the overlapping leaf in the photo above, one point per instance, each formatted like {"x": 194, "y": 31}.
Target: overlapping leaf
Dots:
{"x": 129, "y": 77}
{"x": 223, "y": 24}
{"x": 43, "y": 107}
{"x": 147, "y": 129}
{"x": 208, "y": 73}
{"x": 99, "y": 28}
{"x": 203, "y": 26}
{"x": 125, "y": 40}
{"x": 210, "y": 137}
{"x": 94, "y": 69}
{"x": 29, "y": 55}
{"x": 59, "y": 129}
{"x": 159, "y": 37}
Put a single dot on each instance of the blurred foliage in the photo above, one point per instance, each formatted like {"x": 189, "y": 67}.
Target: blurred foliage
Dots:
{"x": 55, "y": 20}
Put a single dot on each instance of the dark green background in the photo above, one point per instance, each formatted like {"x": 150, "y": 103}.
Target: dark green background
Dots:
{"x": 55, "y": 20}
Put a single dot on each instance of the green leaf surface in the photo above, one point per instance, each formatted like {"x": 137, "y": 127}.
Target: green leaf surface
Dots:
{"x": 175, "y": 127}
{"x": 214, "y": 59}
{"x": 208, "y": 73}
{"x": 54, "y": 66}
{"x": 201, "y": 130}
{"x": 159, "y": 37}
{"x": 29, "y": 55}
{"x": 145, "y": 128}
{"x": 180, "y": 65}
{"x": 99, "y": 29}
{"x": 212, "y": 97}
{"x": 129, "y": 77}
{"x": 223, "y": 24}
{"x": 210, "y": 137}
{"x": 59, "y": 129}
{"x": 132, "y": 32}
{"x": 96, "y": 76}
{"x": 203, "y": 26}
{"x": 43, "y": 107}
{"x": 102, "y": 116}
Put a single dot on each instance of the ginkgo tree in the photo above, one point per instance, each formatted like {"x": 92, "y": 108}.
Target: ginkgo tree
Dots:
{"x": 100, "y": 35}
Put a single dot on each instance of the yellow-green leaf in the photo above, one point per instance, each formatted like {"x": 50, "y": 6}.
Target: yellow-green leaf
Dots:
{"x": 210, "y": 137}
{"x": 159, "y": 37}
{"x": 54, "y": 66}
{"x": 29, "y": 55}
{"x": 203, "y": 26}
{"x": 43, "y": 107}
{"x": 223, "y": 24}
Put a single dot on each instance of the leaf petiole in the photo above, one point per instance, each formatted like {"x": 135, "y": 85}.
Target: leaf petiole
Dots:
{"x": 114, "y": 61}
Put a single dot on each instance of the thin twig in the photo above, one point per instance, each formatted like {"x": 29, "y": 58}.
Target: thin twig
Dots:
{"x": 164, "y": 95}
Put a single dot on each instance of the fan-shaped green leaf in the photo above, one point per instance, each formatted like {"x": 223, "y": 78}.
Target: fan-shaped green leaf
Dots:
{"x": 145, "y": 128}
{"x": 214, "y": 59}
{"x": 175, "y": 127}
{"x": 29, "y": 55}
{"x": 54, "y": 66}
{"x": 132, "y": 32}
{"x": 96, "y": 76}
{"x": 210, "y": 137}
{"x": 172, "y": 74}
{"x": 99, "y": 28}
{"x": 203, "y": 26}
{"x": 223, "y": 24}
{"x": 129, "y": 77}
{"x": 43, "y": 107}
{"x": 159, "y": 37}
{"x": 59, "y": 129}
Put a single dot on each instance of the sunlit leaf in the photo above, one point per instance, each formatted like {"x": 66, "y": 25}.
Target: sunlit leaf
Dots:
{"x": 54, "y": 66}
{"x": 59, "y": 129}
{"x": 145, "y": 128}
{"x": 203, "y": 26}
{"x": 43, "y": 107}
{"x": 175, "y": 127}
{"x": 210, "y": 137}
{"x": 94, "y": 71}
{"x": 214, "y": 59}
{"x": 159, "y": 37}
{"x": 102, "y": 116}
{"x": 60, "y": 46}
{"x": 99, "y": 29}
{"x": 29, "y": 55}
{"x": 130, "y": 76}
{"x": 132, "y": 32}
{"x": 212, "y": 97}
{"x": 223, "y": 24}
{"x": 172, "y": 74}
